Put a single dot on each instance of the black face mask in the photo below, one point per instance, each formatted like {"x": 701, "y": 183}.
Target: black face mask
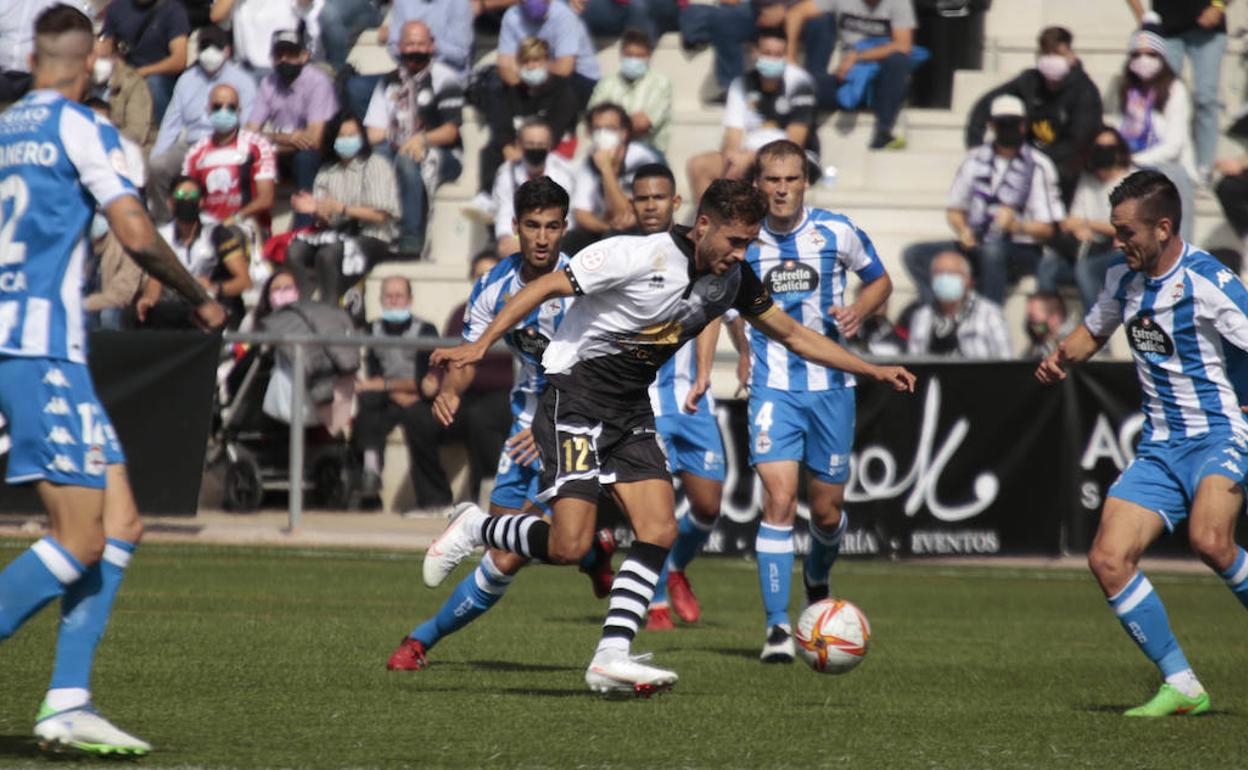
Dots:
{"x": 1038, "y": 330}
{"x": 288, "y": 71}
{"x": 1009, "y": 135}
{"x": 186, "y": 210}
{"x": 535, "y": 156}
{"x": 417, "y": 60}
{"x": 1102, "y": 157}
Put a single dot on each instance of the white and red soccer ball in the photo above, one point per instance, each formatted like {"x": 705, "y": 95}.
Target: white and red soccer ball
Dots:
{"x": 833, "y": 636}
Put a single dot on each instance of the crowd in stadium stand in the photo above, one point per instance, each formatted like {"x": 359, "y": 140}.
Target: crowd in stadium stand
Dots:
{"x": 237, "y": 111}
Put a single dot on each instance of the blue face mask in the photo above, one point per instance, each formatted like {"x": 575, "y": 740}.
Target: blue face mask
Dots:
{"x": 396, "y": 315}
{"x": 633, "y": 67}
{"x": 223, "y": 120}
{"x": 769, "y": 67}
{"x": 948, "y": 287}
{"x": 348, "y": 146}
{"x": 99, "y": 226}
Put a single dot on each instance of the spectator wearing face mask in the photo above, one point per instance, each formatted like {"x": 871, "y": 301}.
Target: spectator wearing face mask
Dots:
{"x": 291, "y": 111}
{"x": 957, "y": 321}
{"x": 1063, "y": 106}
{"x": 124, "y": 91}
{"x": 536, "y": 159}
{"x": 602, "y": 198}
{"x": 538, "y": 96}
{"x": 643, "y": 92}
{"x": 397, "y": 389}
{"x": 1152, "y": 109}
{"x": 151, "y": 35}
{"x": 571, "y": 47}
{"x": 1046, "y": 324}
{"x": 236, "y": 169}
{"x": 450, "y": 22}
{"x": 188, "y": 120}
{"x": 1083, "y": 250}
{"x": 1003, "y": 205}
{"x": 774, "y": 100}
{"x": 354, "y": 204}
{"x": 413, "y": 120}
{"x": 215, "y": 255}
{"x": 113, "y": 279}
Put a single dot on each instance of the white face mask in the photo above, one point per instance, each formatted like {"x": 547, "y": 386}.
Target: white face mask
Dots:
{"x": 1146, "y": 67}
{"x": 605, "y": 139}
{"x": 1053, "y": 67}
{"x": 211, "y": 59}
{"x": 102, "y": 71}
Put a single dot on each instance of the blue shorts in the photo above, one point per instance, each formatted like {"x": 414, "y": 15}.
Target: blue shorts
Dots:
{"x": 516, "y": 484}
{"x": 57, "y": 428}
{"x": 1165, "y": 475}
{"x": 692, "y": 443}
{"x": 811, "y": 427}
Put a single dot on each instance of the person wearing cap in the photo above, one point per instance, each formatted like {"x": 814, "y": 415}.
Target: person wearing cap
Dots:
{"x": 187, "y": 120}
{"x": 1152, "y": 109}
{"x": 1196, "y": 30}
{"x": 413, "y": 120}
{"x": 1003, "y": 205}
{"x": 294, "y": 103}
{"x": 253, "y": 23}
{"x": 1063, "y": 107}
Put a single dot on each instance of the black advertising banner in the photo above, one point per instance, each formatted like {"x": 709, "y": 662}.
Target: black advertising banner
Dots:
{"x": 157, "y": 388}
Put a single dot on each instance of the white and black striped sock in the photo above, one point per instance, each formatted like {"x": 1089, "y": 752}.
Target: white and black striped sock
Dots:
{"x": 631, "y": 592}
{"x": 526, "y": 535}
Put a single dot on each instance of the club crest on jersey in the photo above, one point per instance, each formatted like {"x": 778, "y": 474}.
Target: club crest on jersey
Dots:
{"x": 1225, "y": 277}
{"x": 94, "y": 464}
{"x": 1148, "y": 339}
{"x": 791, "y": 277}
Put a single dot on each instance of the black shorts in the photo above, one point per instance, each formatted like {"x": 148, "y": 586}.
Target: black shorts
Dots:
{"x": 585, "y": 442}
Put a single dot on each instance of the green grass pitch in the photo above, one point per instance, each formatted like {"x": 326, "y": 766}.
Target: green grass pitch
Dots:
{"x": 251, "y": 657}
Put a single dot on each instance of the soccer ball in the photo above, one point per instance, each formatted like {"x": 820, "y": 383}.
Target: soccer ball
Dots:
{"x": 832, "y": 636}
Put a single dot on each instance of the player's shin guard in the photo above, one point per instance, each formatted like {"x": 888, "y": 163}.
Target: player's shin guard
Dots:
{"x": 526, "y": 535}
{"x": 84, "y": 616}
{"x": 1144, "y": 617}
{"x": 36, "y": 577}
{"x": 631, "y": 593}
{"x": 824, "y": 548}
{"x": 691, "y": 535}
{"x": 773, "y": 547}
{"x": 474, "y": 595}
{"x": 1237, "y": 576}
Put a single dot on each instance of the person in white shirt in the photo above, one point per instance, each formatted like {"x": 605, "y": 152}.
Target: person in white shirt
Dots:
{"x": 1004, "y": 204}
{"x": 535, "y": 143}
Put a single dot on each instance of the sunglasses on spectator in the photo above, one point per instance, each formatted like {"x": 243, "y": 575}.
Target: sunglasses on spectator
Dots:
{"x": 222, "y": 106}
{"x": 186, "y": 195}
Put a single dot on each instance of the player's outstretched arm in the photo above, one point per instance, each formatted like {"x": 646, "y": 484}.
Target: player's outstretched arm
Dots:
{"x": 1078, "y": 347}
{"x": 819, "y": 349}
{"x": 554, "y": 284}
{"x": 134, "y": 230}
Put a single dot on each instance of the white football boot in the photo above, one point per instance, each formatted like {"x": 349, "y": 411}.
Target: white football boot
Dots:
{"x": 616, "y": 671}
{"x": 84, "y": 729}
{"x": 779, "y": 645}
{"x": 460, "y": 538}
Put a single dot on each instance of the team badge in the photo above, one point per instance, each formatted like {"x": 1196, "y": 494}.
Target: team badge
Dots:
{"x": 762, "y": 443}
{"x": 592, "y": 261}
{"x": 94, "y": 462}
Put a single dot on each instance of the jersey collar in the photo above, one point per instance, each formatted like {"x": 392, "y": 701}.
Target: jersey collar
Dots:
{"x": 1178, "y": 265}
{"x": 680, "y": 236}
{"x": 801, "y": 223}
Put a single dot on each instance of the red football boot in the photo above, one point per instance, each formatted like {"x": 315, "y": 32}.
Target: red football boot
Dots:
{"x": 602, "y": 575}
{"x": 409, "y": 657}
{"x": 682, "y": 598}
{"x": 659, "y": 619}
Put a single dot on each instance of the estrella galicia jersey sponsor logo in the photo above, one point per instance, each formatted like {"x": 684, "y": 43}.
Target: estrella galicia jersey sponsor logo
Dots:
{"x": 1148, "y": 339}
{"x": 791, "y": 278}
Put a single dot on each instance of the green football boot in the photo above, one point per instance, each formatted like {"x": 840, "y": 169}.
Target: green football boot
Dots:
{"x": 1170, "y": 702}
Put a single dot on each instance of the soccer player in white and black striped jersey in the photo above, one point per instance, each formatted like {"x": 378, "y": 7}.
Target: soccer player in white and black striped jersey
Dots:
{"x": 638, "y": 300}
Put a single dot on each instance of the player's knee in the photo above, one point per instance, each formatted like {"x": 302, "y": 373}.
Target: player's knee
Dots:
{"x": 1212, "y": 545}
{"x": 1109, "y": 566}
{"x": 780, "y": 508}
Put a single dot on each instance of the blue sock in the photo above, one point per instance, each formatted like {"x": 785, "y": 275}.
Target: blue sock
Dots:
{"x": 85, "y": 609}
{"x": 475, "y": 594}
{"x": 773, "y": 547}
{"x": 691, "y": 535}
{"x": 824, "y": 548}
{"x": 1144, "y": 617}
{"x": 1237, "y": 577}
{"x": 660, "y": 588}
{"x": 36, "y": 577}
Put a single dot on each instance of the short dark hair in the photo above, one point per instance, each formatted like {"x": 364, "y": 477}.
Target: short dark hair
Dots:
{"x": 330, "y": 135}
{"x": 1155, "y": 194}
{"x": 774, "y": 150}
{"x": 634, "y": 36}
{"x": 766, "y": 32}
{"x": 483, "y": 254}
{"x": 733, "y": 200}
{"x": 1051, "y": 299}
{"x": 61, "y": 19}
{"x": 1052, "y": 38}
{"x": 95, "y": 103}
{"x": 540, "y": 193}
{"x": 599, "y": 109}
{"x": 654, "y": 171}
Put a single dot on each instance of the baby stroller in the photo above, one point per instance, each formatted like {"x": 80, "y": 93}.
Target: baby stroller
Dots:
{"x": 255, "y": 444}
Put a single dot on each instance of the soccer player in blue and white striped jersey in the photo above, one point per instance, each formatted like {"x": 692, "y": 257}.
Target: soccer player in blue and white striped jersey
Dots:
{"x": 541, "y": 208}
{"x": 59, "y": 162}
{"x": 802, "y": 413}
{"x": 1186, "y": 320}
